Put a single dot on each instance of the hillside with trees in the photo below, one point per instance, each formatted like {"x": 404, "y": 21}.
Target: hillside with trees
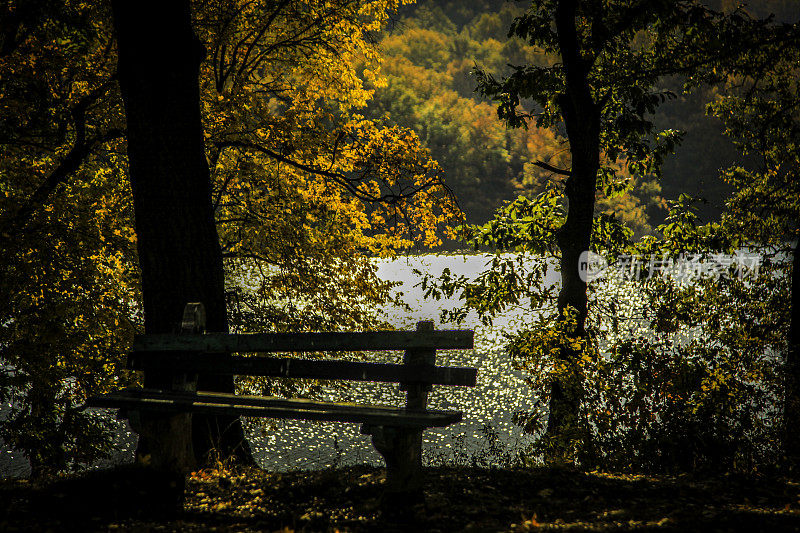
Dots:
{"x": 430, "y": 53}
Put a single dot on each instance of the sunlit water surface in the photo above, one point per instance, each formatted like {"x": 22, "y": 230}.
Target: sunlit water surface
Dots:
{"x": 500, "y": 392}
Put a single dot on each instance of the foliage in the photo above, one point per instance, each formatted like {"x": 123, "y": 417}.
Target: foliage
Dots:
{"x": 690, "y": 377}
{"x": 761, "y": 113}
{"x": 462, "y": 36}
{"x": 306, "y": 192}
{"x": 68, "y": 287}
{"x": 526, "y": 227}
{"x": 679, "y": 372}
{"x": 431, "y": 89}
{"x": 306, "y": 189}
{"x": 671, "y": 375}
{"x": 721, "y": 341}
{"x": 284, "y": 116}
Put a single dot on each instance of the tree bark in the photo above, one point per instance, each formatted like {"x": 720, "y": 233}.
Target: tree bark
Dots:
{"x": 581, "y": 117}
{"x": 792, "y": 404}
{"x": 178, "y": 245}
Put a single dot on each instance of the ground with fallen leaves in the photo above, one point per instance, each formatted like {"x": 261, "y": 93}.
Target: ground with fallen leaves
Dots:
{"x": 456, "y": 499}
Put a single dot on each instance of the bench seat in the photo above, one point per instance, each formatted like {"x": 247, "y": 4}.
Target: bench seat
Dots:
{"x": 215, "y": 403}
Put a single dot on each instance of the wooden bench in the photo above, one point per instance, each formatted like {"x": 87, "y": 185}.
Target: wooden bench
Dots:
{"x": 164, "y": 414}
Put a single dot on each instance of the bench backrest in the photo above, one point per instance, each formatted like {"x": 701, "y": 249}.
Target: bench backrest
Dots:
{"x": 306, "y": 342}
{"x": 209, "y": 353}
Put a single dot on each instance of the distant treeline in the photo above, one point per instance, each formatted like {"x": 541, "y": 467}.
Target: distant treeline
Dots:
{"x": 430, "y": 52}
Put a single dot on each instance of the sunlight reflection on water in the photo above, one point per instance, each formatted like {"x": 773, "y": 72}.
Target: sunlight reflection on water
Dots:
{"x": 500, "y": 391}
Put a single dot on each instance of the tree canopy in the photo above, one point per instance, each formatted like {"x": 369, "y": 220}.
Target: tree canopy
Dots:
{"x": 304, "y": 190}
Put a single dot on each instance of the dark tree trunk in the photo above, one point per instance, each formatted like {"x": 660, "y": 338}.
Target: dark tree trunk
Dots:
{"x": 792, "y": 405}
{"x": 582, "y": 120}
{"x": 179, "y": 252}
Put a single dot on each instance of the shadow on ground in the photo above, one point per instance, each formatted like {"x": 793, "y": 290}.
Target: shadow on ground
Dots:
{"x": 349, "y": 499}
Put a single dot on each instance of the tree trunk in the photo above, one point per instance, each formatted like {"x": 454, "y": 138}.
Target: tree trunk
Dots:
{"x": 792, "y": 405}
{"x": 178, "y": 245}
{"x": 582, "y": 120}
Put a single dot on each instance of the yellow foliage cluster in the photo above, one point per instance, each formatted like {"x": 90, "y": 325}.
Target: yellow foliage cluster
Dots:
{"x": 286, "y": 125}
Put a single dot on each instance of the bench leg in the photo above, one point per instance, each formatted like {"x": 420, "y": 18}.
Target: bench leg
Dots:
{"x": 401, "y": 448}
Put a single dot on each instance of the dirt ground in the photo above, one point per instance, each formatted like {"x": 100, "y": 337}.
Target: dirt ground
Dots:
{"x": 350, "y": 499}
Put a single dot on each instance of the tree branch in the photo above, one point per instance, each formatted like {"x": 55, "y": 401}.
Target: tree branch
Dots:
{"x": 350, "y": 184}
{"x": 71, "y": 163}
{"x": 551, "y": 168}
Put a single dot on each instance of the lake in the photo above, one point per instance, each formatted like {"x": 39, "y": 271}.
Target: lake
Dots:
{"x": 500, "y": 392}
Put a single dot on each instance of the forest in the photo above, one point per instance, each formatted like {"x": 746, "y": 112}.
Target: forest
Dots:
{"x": 265, "y": 158}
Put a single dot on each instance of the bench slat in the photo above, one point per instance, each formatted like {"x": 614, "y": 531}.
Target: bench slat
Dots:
{"x": 306, "y": 342}
{"x": 301, "y": 368}
{"x": 270, "y": 407}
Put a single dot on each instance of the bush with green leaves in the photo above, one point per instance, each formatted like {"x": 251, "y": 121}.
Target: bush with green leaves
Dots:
{"x": 678, "y": 372}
